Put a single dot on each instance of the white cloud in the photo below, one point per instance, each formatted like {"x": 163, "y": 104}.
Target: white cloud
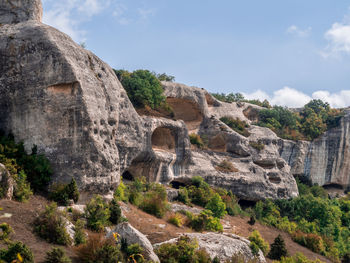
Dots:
{"x": 146, "y": 13}
{"x": 293, "y": 98}
{"x": 338, "y": 37}
{"x": 68, "y": 15}
{"x": 119, "y": 13}
{"x": 294, "y": 30}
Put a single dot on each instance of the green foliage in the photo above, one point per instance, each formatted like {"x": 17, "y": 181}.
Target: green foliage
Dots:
{"x": 97, "y": 213}
{"x": 165, "y": 77}
{"x": 34, "y": 167}
{"x": 6, "y": 230}
{"x": 10, "y": 254}
{"x": 315, "y": 118}
{"x": 217, "y": 206}
{"x": 57, "y": 255}
{"x": 119, "y": 193}
{"x": 237, "y": 125}
{"x": 195, "y": 139}
{"x": 183, "y": 251}
{"x": 142, "y": 87}
{"x": 278, "y": 249}
{"x": 299, "y": 258}
{"x": 256, "y": 241}
{"x": 183, "y": 196}
{"x": 155, "y": 201}
{"x": 238, "y": 97}
{"x": 62, "y": 193}
{"x": 257, "y": 145}
{"x": 22, "y": 190}
{"x": 116, "y": 212}
{"x": 79, "y": 235}
{"x": 205, "y": 221}
{"x": 50, "y": 225}
{"x": 176, "y": 219}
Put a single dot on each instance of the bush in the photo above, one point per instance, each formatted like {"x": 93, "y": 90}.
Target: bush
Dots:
{"x": 98, "y": 249}
{"x": 183, "y": 196}
{"x": 50, "y": 225}
{"x": 299, "y": 258}
{"x": 183, "y": 251}
{"x": 257, "y": 241}
{"x": 62, "y": 193}
{"x": 205, "y": 221}
{"x": 79, "y": 235}
{"x": 97, "y": 213}
{"x": 116, "y": 212}
{"x": 6, "y": 230}
{"x": 15, "y": 249}
{"x": 57, "y": 255}
{"x": 119, "y": 193}
{"x": 217, "y": 206}
{"x": 257, "y": 145}
{"x": 278, "y": 249}
{"x": 312, "y": 241}
{"x": 134, "y": 253}
{"x": 22, "y": 190}
{"x": 142, "y": 87}
{"x": 252, "y": 220}
{"x": 226, "y": 167}
{"x": 155, "y": 201}
{"x": 176, "y": 219}
{"x": 195, "y": 139}
{"x": 237, "y": 125}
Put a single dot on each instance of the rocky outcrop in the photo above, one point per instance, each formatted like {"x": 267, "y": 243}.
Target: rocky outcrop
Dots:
{"x": 223, "y": 246}
{"x": 7, "y": 182}
{"x": 16, "y": 11}
{"x": 325, "y": 160}
{"x": 133, "y": 236}
{"x": 257, "y": 174}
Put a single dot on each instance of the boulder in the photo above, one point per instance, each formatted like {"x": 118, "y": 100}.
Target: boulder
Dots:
{"x": 7, "y": 182}
{"x": 224, "y": 246}
{"x": 133, "y": 236}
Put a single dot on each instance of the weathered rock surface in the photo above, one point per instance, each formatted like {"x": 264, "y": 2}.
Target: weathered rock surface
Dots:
{"x": 7, "y": 182}
{"x": 257, "y": 174}
{"x": 223, "y": 246}
{"x": 325, "y": 160}
{"x": 16, "y": 11}
{"x": 133, "y": 236}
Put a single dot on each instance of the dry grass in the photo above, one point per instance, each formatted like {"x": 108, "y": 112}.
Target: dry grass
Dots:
{"x": 226, "y": 167}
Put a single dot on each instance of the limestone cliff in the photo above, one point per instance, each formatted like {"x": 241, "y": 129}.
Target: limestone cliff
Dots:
{"x": 64, "y": 99}
{"x": 326, "y": 160}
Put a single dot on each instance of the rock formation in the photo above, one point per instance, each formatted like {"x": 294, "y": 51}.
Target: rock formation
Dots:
{"x": 64, "y": 99}
{"x": 223, "y": 246}
{"x": 325, "y": 160}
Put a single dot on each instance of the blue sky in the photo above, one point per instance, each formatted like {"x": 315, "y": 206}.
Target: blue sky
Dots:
{"x": 286, "y": 51}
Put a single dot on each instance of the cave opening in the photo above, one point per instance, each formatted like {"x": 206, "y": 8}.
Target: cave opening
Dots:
{"x": 246, "y": 203}
{"x": 128, "y": 176}
{"x": 163, "y": 139}
{"x": 177, "y": 184}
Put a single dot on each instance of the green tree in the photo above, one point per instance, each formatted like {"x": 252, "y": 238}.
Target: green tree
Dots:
{"x": 217, "y": 206}
{"x": 278, "y": 249}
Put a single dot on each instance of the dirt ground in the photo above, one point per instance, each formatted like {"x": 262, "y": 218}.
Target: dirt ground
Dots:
{"x": 157, "y": 230}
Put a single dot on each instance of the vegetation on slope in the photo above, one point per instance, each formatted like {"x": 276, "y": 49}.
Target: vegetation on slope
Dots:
{"x": 238, "y": 97}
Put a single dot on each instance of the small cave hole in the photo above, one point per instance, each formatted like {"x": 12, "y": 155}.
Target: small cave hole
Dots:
{"x": 177, "y": 184}
{"x": 127, "y": 176}
{"x": 163, "y": 139}
{"x": 246, "y": 203}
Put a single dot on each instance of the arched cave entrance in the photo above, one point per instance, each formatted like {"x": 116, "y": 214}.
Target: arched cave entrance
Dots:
{"x": 128, "y": 176}
{"x": 177, "y": 184}
{"x": 163, "y": 139}
{"x": 186, "y": 110}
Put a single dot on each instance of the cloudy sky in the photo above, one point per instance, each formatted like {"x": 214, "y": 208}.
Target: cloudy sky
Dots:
{"x": 287, "y": 51}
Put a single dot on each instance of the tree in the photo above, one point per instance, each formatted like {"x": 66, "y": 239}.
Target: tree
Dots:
{"x": 165, "y": 77}
{"x": 217, "y": 206}
{"x": 278, "y": 249}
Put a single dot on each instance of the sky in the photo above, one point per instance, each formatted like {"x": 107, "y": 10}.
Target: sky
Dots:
{"x": 288, "y": 52}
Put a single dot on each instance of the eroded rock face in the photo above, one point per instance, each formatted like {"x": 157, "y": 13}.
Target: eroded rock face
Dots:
{"x": 16, "y": 11}
{"x": 7, "y": 182}
{"x": 223, "y": 246}
{"x": 257, "y": 174}
{"x": 325, "y": 160}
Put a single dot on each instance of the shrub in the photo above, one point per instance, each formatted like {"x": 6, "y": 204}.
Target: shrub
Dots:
{"x": 183, "y": 251}
{"x": 15, "y": 249}
{"x": 226, "y": 167}
{"x": 176, "y": 219}
{"x": 205, "y": 221}
{"x": 62, "y": 193}
{"x": 312, "y": 241}
{"x": 22, "y": 190}
{"x": 237, "y": 125}
{"x": 50, "y": 225}
{"x": 142, "y": 87}
{"x": 255, "y": 238}
{"x": 239, "y": 258}
{"x": 217, "y": 206}
{"x": 6, "y": 230}
{"x": 97, "y": 213}
{"x": 116, "y": 212}
{"x": 79, "y": 235}
{"x": 252, "y": 220}
{"x": 119, "y": 193}
{"x": 155, "y": 201}
{"x": 278, "y": 249}
{"x": 195, "y": 139}
{"x": 257, "y": 145}
{"x": 57, "y": 255}
{"x": 299, "y": 258}
{"x": 98, "y": 249}
{"x": 183, "y": 196}
{"x": 134, "y": 253}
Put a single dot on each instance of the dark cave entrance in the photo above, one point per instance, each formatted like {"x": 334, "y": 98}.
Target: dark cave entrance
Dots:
{"x": 127, "y": 176}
